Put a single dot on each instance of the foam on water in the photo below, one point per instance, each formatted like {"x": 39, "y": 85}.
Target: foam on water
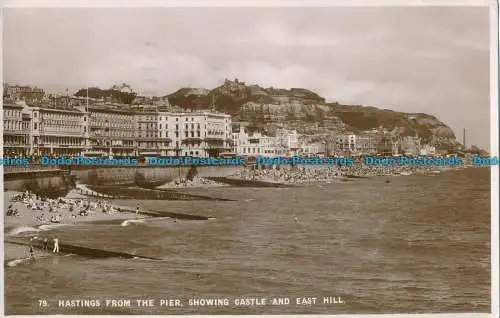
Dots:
{"x": 47, "y": 227}
{"x": 22, "y": 229}
{"x": 132, "y": 221}
{"x": 18, "y": 261}
{"x": 26, "y": 260}
{"x": 159, "y": 218}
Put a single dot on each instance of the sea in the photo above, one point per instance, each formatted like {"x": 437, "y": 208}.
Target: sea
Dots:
{"x": 402, "y": 244}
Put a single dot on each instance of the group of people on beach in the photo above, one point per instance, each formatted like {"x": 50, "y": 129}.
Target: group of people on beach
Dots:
{"x": 46, "y": 210}
{"x": 303, "y": 174}
{"x": 77, "y": 207}
{"x": 45, "y": 246}
{"x": 195, "y": 182}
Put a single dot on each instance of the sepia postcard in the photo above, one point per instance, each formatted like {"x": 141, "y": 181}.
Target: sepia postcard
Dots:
{"x": 243, "y": 158}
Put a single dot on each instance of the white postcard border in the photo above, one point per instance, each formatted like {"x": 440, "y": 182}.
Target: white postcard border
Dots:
{"x": 494, "y": 100}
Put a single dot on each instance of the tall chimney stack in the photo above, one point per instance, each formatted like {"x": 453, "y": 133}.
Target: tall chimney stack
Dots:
{"x": 464, "y": 140}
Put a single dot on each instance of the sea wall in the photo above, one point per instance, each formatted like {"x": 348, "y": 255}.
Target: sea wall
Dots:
{"x": 51, "y": 183}
{"x": 216, "y": 171}
{"x": 147, "y": 175}
{"x": 110, "y": 175}
{"x": 127, "y": 175}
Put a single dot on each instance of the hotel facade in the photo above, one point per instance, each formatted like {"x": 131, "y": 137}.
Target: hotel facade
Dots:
{"x": 116, "y": 131}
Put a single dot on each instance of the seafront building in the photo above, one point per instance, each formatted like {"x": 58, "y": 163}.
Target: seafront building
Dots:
{"x": 56, "y": 131}
{"x": 111, "y": 130}
{"x": 255, "y": 144}
{"x": 146, "y": 128}
{"x": 312, "y": 148}
{"x": 16, "y": 138}
{"x": 289, "y": 139}
{"x": 40, "y": 130}
{"x": 106, "y": 129}
{"x": 198, "y": 134}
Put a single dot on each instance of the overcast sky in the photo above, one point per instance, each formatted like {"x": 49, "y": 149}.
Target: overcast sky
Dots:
{"x": 413, "y": 59}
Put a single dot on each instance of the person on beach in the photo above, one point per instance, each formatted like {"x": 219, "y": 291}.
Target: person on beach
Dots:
{"x": 137, "y": 210}
{"x": 56, "y": 246}
{"x": 45, "y": 244}
{"x": 32, "y": 252}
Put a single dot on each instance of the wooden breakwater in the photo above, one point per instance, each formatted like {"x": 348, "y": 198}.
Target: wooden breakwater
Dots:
{"x": 118, "y": 192}
{"x": 249, "y": 183}
{"x": 65, "y": 248}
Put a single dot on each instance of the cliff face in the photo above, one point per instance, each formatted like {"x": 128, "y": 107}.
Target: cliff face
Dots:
{"x": 306, "y": 111}
{"x": 427, "y": 127}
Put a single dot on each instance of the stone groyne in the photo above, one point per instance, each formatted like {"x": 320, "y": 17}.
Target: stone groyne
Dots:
{"x": 242, "y": 183}
{"x": 123, "y": 192}
{"x": 65, "y": 248}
